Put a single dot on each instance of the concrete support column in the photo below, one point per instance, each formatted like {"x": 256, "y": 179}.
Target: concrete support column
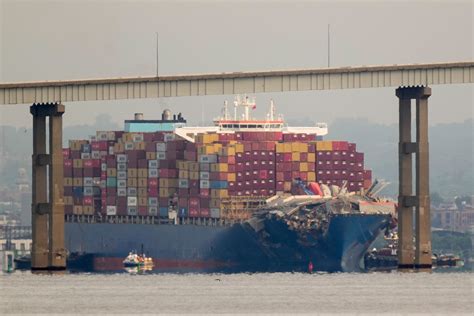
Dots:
{"x": 408, "y": 255}
{"x": 48, "y": 251}
{"x": 39, "y": 251}
{"x": 405, "y": 210}
{"x": 423, "y": 218}
{"x": 57, "y": 252}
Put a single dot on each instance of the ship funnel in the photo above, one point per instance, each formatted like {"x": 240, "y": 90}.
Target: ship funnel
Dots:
{"x": 166, "y": 116}
{"x": 138, "y": 116}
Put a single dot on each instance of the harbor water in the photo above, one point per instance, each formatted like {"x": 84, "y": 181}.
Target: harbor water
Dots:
{"x": 288, "y": 293}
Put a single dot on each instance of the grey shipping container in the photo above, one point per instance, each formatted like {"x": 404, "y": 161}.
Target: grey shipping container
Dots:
{"x": 132, "y": 191}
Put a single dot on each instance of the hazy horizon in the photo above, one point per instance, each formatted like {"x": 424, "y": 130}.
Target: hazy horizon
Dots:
{"x": 91, "y": 39}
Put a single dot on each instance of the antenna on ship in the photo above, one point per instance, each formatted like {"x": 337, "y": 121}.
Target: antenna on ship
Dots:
{"x": 225, "y": 110}
{"x": 272, "y": 110}
{"x": 236, "y": 104}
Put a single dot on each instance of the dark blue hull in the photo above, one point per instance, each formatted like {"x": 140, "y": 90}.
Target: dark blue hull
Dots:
{"x": 235, "y": 248}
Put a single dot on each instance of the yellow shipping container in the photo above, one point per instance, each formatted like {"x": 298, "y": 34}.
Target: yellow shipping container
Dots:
{"x": 183, "y": 174}
{"x": 167, "y": 192}
{"x": 68, "y": 182}
{"x": 132, "y": 173}
{"x": 151, "y": 155}
{"x": 303, "y": 147}
{"x": 111, "y": 172}
{"x": 77, "y": 163}
{"x": 215, "y": 203}
{"x": 139, "y": 146}
{"x": 219, "y": 167}
{"x": 127, "y": 137}
{"x": 132, "y": 182}
{"x": 77, "y": 182}
{"x": 194, "y": 175}
{"x": 118, "y": 148}
{"x": 88, "y": 210}
{"x": 168, "y": 183}
{"x": 295, "y": 147}
{"x": 287, "y": 147}
{"x": 295, "y": 156}
{"x": 239, "y": 148}
{"x": 77, "y": 210}
{"x": 143, "y": 173}
{"x": 280, "y": 147}
{"x": 68, "y": 200}
{"x": 311, "y": 157}
{"x": 219, "y": 193}
{"x": 287, "y": 186}
{"x": 193, "y": 166}
{"x": 311, "y": 176}
{"x": 324, "y": 145}
{"x": 228, "y": 151}
{"x": 142, "y": 192}
{"x": 142, "y": 182}
{"x": 142, "y": 201}
{"x": 231, "y": 177}
{"x": 304, "y": 166}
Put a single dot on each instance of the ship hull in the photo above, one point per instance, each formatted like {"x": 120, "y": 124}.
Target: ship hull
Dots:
{"x": 237, "y": 248}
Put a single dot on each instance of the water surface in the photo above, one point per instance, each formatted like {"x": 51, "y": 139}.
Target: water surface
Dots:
{"x": 289, "y": 293}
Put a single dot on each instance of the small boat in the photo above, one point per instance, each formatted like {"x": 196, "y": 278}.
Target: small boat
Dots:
{"x": 135, "y": 260}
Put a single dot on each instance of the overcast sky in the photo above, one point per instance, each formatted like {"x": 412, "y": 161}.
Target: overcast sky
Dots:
{"x": 50, "y": 40}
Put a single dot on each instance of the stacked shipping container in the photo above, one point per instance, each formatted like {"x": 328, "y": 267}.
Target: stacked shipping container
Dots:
{"x": 117, "y": 173}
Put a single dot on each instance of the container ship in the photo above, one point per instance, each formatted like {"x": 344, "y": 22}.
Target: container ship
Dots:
{"x": 197, "y": 198}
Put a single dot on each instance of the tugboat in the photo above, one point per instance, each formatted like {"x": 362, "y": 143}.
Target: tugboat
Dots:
{"x": 135, "y": 260}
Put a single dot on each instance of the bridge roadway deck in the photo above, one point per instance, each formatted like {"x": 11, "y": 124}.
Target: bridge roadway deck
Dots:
{"x": 237, "y": 82}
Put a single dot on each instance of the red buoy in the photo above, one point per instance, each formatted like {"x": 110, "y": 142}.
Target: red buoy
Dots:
{"x": 310, "y": 267}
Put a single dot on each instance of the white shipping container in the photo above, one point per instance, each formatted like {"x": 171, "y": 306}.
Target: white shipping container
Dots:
{"x": 137, "y": 138}
{"x": 169, "y": 137}
{"x": 95, "y": 154}
{"x": 111, "y": 210}
{"x": 121, "y": 183}
{"x": 161, "y": 147}
{"x": 121, "y": 166}
{"x": 129, "y": 146}
{"x": 215, "y": 213}
{"x": 153, "y": 164}
{"x": 132, "y": 210}
{"x": 152, "y": 173}
{"x": 204, "y": 184}
{"x": 88, "y": 191}
{"x": 153, "y": 210}
{"x": 132, "y": 191}
{"x": 121, "y": 192}
{"x": 88, "y": 181}
{"x": 132, "y": 201}
{"x": 208, "y": 158}
{"x": 160, "y": 155}
{"x": 103, "y": 184}
{"x": 152, "y": 201}
{"x": 110, "y": 135}
{"x": 122, "y": 175}
{"x": 183, "y": 183}
{"x": 111, "y": 150}
{"x": 85, "y": 156}
{"x": 101, "y": 135}
{"x": 103, "y": 166}
{"x": 121, "y": 158}
{"x": 204, "y": 175}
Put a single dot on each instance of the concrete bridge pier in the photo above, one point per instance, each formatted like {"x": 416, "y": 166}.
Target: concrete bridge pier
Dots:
{"x": 414, "y": 255}
{"x": 48, "y": 251}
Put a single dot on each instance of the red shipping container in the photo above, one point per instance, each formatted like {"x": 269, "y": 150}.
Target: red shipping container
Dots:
{"x": 304, "y": 176}
{"x": 143, "y": 210}
{"x": 168, "y": 173}
{"x": 87, "y": 200}
{"x": 152, "y": 183}
{"x": 66, "y": 152}
{"x": 142, "y": 163}
{"x": 88, "y": 172}
{"x": 367, "y": 174}
{"x": 359, "y": 157}
{"x": 152, "y": 192}
{"x": 193, "y": 212}
{"x": 204, "y": 212}
{"x": 182, "y": 202}
{"x": 163, "y": 202}
{"x": 263, "y": 174}
{"x": 287, "y": 157}
{"x": 194, "y": 202}
{"x": 288, "y": 176}
{"x": 303, "y": 157}
{"x": 295, "y": 166}
{"x": 112, "y": 200}
{"x": 77, "y": 172}
{"x": 351, "y": 147}
{"x": 204, "y": 192}
{"x": 183, "y": 192}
